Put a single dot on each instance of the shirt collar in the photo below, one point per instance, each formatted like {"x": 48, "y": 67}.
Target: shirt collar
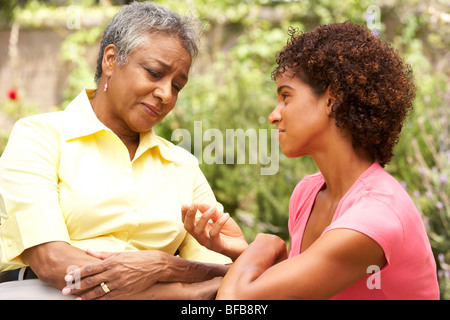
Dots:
{"x": 81, "y": 121}
{"x": 149, "y": 140}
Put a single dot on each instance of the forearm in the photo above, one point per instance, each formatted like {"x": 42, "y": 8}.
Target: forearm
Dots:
{"x": 50, "y": 261}
{"x": 182, "y": 270}
{"x": 205, "y": 290}
{"x": 238, "y": 283}
{"x": 133, "y": 275}
{"x": 263, "y": 253}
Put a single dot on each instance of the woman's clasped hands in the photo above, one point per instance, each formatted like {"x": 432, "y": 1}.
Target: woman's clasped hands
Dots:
{"x": 116, "y": 276}
{"x": 125, "y": 275}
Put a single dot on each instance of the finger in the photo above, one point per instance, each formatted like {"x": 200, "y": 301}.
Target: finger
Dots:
{"x": 100, "y": 255}
{"x": 98, "y": 292}
{"x": 189, "y": 219}
{"x": 204, "y": 219}
{"x": 85, "y": 271}
{"x": 203, "y": 207}
{"x": 184, "y": 209}
{"x": 77, "y": 284}
{"x": 88, "y": 283}
{"x": 218, "y": 225}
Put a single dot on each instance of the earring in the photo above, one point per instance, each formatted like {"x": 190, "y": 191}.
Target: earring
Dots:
{"x": 106, "y": 85}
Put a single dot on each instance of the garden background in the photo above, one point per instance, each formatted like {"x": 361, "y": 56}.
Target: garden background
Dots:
{"x": 48, "y": 51}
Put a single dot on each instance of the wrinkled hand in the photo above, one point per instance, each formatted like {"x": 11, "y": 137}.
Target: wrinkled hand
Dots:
{"x": 124, "y": 273}
{"x": 215, "y": 230}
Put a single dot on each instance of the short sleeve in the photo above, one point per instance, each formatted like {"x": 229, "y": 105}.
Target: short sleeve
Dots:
{"x": 377, "y": 220}
{"x": 29, "y": 188}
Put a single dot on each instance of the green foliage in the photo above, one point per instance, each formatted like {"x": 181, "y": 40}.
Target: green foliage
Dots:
{"x": 73, "y": 50}
{"x": 422, "y": 159}
{"x": 424, "y": 169}
{"x": 6, "y": 12}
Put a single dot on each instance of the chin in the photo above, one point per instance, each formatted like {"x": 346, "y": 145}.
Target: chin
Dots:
{"x": 288, "y": 154}
{"x": 292, "y": 153}
{"x": 145, "y": 126}
{"x": 291, "y": 156}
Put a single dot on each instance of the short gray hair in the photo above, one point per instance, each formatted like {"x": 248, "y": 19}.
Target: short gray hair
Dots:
{"x": 134, "y": 22}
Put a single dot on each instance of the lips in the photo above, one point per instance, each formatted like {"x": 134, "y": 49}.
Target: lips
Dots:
{"x": 280, "y": 132}
{"x": 152, "y": 110}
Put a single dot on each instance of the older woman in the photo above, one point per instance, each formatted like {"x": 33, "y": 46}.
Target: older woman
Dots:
{"x": 92, "y": 192}
{"x": 343, "y": 96}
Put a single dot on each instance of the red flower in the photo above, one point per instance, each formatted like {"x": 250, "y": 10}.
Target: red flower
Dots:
{"x": 12, "y": 94}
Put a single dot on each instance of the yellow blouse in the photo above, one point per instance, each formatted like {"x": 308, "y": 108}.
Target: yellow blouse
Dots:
{"x": 64, "y": 176}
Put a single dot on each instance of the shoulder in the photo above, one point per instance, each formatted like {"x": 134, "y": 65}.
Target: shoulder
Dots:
{"x": 377, "y": 191}
{"x": 51, "y": 122}
{"x": 379, "y": 210}
{"x": 41, "y": 129}
{"x": 382, "y": 190}
{"x": 377, "y": 200}
{"x": 33, "y": 145}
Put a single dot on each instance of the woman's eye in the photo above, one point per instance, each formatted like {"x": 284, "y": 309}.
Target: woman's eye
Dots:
{"x": 153, "y": 73}
{"x": 176, "y": 87}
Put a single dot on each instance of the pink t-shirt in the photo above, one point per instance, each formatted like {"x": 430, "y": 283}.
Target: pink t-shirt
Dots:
{"x": 377, "y": 206}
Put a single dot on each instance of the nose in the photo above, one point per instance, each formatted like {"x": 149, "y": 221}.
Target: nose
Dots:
{"x": 164, "y": 92}
{"x": 275, "y": 115}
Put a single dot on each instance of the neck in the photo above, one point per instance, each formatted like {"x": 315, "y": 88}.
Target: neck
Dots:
{"x": 100, "y": 105}
{"x": 341, "y": 166}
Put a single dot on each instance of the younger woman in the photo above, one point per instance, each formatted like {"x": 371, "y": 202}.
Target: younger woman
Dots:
{"x": 343, "y": 96}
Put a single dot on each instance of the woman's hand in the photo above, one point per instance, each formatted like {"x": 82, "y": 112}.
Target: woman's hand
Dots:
{"x": 144, "y": 274}
{"x": 214, "y": 230}
{"x": 125, "y": 274}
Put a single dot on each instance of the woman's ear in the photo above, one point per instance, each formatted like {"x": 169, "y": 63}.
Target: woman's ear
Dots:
{"x": 329, "y": 100}
{"x": 109, "y": 60}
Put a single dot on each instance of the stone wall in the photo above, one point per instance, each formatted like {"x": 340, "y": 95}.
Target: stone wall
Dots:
{"x": 41, "y": 73}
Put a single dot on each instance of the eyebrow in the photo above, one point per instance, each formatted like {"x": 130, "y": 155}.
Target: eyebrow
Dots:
{"x": 167, "y": 67}
{"x": 282, "y": 87}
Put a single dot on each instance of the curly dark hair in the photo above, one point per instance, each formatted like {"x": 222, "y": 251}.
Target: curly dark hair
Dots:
{"x": 372, "y": 87}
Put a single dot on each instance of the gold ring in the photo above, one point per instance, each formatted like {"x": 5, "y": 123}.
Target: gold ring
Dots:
{"x": 105, "y": 287}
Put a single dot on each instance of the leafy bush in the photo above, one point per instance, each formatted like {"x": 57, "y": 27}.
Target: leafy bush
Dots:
{"x": 426, "y": 171}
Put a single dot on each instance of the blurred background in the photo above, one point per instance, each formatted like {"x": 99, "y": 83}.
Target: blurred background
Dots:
{"x": 48, "y": 51}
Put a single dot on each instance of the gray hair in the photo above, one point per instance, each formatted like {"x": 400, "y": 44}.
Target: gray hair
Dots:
{"x": 134, "y": 22}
